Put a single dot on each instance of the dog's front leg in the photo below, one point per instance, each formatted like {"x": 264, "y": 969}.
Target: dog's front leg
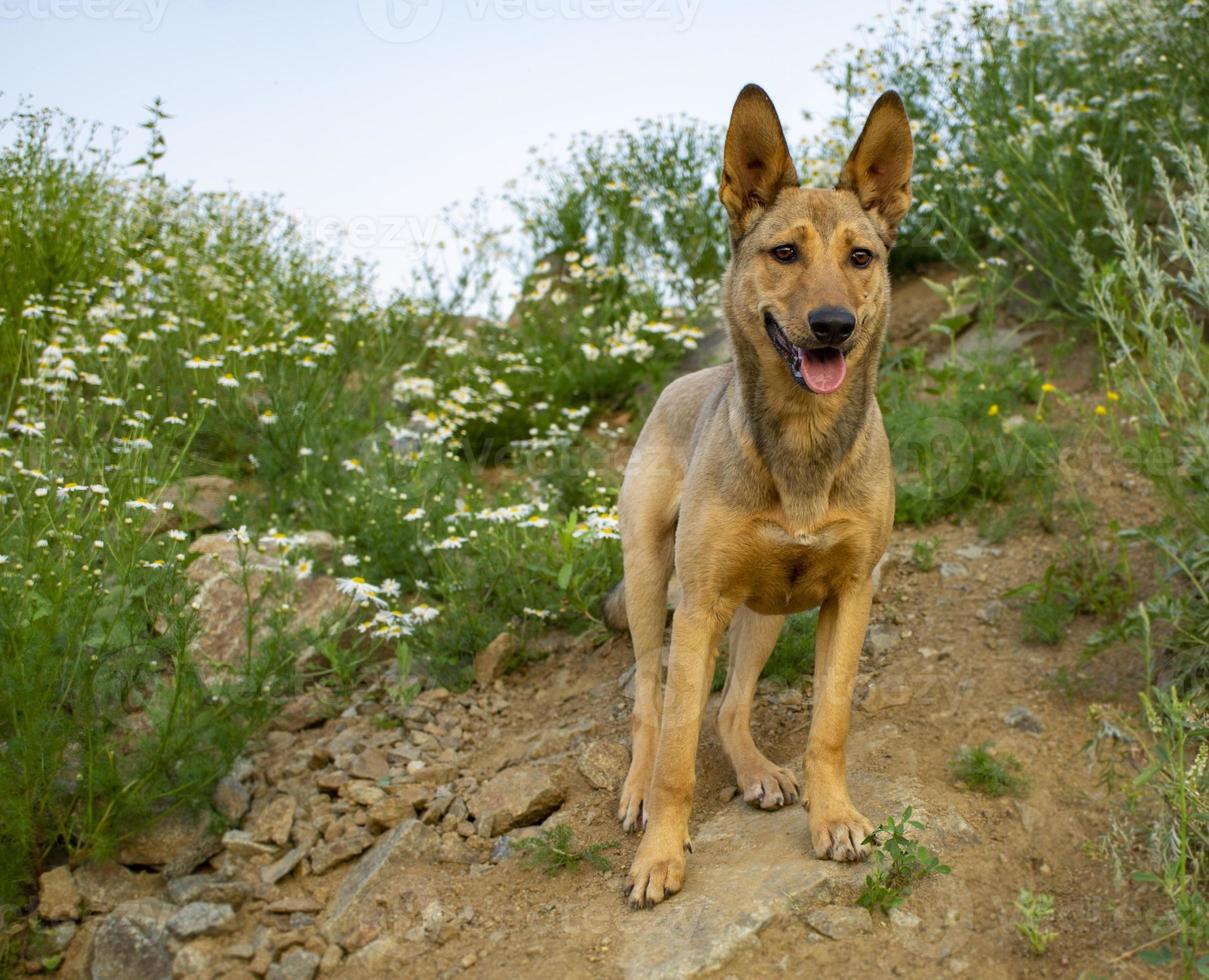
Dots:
{"x": 837, "y": 828}
{"x": 658, "y": 868}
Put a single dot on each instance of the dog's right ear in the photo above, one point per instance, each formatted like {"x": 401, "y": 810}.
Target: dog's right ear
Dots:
{"x": 756, "y": 165}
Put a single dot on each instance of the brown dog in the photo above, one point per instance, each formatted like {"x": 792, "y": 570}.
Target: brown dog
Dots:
{"x": 766, "y": 484}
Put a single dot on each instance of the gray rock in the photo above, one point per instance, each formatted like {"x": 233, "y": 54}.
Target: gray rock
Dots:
{"x": 886, "y": 695}
{"x": 408, "y": 843}
{"x": 270, "y": 874}
{"x": 363, "y": 792}
{"x": 370, "y": 764}
{"x": 197, "y": 502}
{"x": 176, "y": 843}
{"x": 231, "y": 799}
{"x": 327, "y": 855}
{"x": 490, "y": 662}
{"x": 750, "y": 869}
{"x": 972, "y": 552}
{"x": 1029, "y": 818}
{"x": 209, "y": 888}
{"x": 132, "y": 941}
{"x": 222, "y": 602}
{"x": 241, "y": 844}
{"x": 201, "y": 919}
{"x": 501, "y": 849}
{"x": 432, "y": 920}
{"x": 382, "y": 958}
{"x": 953, "y": 569}
{"x": 841, "y": 921}
{"x": 58, "y": 896}
{"x": 191, "y": 961}
{"x": 991, "y": 613}
{"x": 1021, "y": 718}
{"x": 903, "y": 919}
{"x": 438, "y": 807}
{"x": 394, "y": 809}
{"x": 58, "y": 937}
{"x": 304, "y": 711}
{"x": 881, "y": 638}
{"x": 297, "y": 964}
{"x": 604, "y": 764}
{"x": 106, "y": 885}
{"x": 517, "y": 797}
{"x": 274, "y": 822}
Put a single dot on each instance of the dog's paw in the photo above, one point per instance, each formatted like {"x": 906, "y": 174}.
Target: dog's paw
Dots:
{"x": 631, "y": 811}
{"x": 837, "y": 831}
{"x": 657, "y": 871}
{"x": 768, "y": 786}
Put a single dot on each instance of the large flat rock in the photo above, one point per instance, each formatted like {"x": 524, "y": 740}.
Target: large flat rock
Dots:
{"x": 749, "y": 868}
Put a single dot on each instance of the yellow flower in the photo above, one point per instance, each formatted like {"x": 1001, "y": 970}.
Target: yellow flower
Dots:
{"x": 1112, "y": 396}
{"x": 993, "y": 410}
{"x": 1101, "y": 410}
{"x": 1047, "y": 388}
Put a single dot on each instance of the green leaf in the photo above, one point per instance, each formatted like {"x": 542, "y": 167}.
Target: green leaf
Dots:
{"x": 564, "y": 576}
{"x": 1157, "y": 957}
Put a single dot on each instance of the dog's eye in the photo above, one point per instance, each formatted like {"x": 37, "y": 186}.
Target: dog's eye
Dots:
{"x": 785, "y": 253}
{"x": 861, "y": 257}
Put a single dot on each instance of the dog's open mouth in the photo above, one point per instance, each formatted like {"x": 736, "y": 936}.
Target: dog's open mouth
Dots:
{"x": 817, "y": 369}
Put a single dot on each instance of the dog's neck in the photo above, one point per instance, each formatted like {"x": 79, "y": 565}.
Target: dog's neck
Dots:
{"x": 802, "y": 438}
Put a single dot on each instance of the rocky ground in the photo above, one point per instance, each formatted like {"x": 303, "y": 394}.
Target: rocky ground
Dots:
{"x": 374, "y": 839}
{"x": 381, "y": 841}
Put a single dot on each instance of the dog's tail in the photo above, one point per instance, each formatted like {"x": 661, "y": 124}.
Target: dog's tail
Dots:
{"x": 613, "y": 608}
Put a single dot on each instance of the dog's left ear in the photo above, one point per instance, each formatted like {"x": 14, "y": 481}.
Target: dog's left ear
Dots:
{"x": 878, "y": 170}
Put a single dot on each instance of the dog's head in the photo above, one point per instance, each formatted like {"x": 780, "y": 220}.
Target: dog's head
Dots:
{"x": 808, "y": 289}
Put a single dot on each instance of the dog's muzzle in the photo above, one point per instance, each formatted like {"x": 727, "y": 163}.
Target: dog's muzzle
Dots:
{"x": 819, "y": 370}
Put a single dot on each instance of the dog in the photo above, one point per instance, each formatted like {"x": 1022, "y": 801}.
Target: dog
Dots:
{"x": 765, "y": 484}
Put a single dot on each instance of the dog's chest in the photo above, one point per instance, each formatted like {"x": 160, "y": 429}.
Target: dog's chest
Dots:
{"x": 790, "y": 572}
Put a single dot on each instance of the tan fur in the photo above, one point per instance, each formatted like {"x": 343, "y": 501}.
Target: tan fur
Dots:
{"x": 764, "y": 498}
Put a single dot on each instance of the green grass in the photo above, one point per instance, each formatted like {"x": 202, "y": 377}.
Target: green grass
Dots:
{"x": 792, "y": 659}
{"x": 979, "y": 769}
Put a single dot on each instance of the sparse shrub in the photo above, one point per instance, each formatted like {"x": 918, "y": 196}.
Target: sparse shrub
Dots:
{"x": 553, "y": 852}
{"x": 899, "y": 864}
{"x": 1035, "y": 910}
{"x": 963, "y": 432}
{"x": 923, "y": 554}
{"x": 644, "y": 202}
{"x": 1004, "y": 99}
{"x": 1088, "y": 579}
{"x": 1148, "y": 302}
{"x": 978, "y": 768}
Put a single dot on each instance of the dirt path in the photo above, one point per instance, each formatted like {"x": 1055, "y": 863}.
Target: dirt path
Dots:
{"x": 956, "y": 694}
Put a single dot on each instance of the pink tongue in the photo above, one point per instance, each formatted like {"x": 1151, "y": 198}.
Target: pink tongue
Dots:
{"x": 822, "y": 370}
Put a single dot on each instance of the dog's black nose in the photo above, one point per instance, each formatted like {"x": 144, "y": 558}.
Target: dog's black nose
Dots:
{"x": 831, "y": 324}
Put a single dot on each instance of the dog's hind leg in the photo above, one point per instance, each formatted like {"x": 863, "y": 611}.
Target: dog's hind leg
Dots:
{"x": 648, "y": 543}
{"x": 761, "y": 782}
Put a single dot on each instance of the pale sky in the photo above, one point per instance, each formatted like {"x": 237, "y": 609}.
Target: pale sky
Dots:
{"x": 371, "y": 116}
